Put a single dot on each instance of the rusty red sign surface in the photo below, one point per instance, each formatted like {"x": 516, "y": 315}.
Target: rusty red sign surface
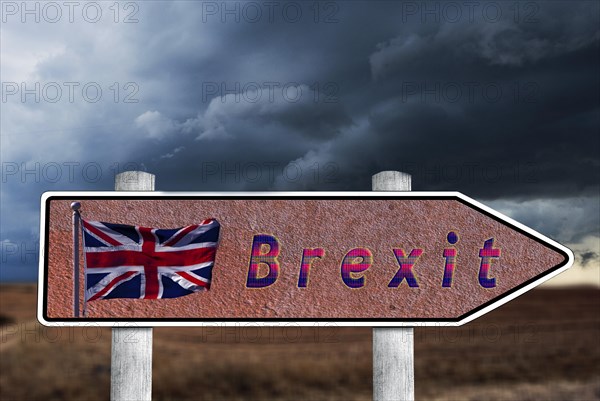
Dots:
{"x": 352, "y": 258}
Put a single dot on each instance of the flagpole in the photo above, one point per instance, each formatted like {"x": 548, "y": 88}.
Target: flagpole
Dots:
{"x": 84, "y": 268}
{"x": 75, "y": 206}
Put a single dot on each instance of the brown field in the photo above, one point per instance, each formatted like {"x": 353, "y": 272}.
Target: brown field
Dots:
{"x": 545, "y": 345}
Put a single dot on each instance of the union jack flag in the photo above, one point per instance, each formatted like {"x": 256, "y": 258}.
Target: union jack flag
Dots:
{"x": 124, "y": 261}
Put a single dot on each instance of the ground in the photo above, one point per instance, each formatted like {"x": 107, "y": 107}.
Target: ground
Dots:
{"x": 544, "y": 345}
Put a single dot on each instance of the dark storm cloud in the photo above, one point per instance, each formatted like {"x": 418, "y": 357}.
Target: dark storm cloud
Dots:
{"x": 586, "y": 257}
{"x": 491, "y": 108}
{"x": 503, "y": 109}
{"x": 500, "y": 109}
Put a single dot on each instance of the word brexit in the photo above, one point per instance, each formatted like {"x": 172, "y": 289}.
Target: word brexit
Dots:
{"x": 358, "y": 260}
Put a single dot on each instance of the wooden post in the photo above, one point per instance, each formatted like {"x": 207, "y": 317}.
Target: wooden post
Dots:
{"x": 393, "y": 348}
{"x": 131, "y": 358}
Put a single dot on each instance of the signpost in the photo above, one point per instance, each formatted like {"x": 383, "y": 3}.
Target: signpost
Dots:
{"x": 131, "y": 350}
{"x": 393, "y": 348}
{"x": 388, "y": 259}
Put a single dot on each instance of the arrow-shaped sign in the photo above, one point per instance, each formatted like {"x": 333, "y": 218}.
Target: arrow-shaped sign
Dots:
{"x": 354, "y": 258}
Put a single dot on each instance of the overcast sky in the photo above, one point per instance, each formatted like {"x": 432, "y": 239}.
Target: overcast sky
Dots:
{"x": 498, "y": 100}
